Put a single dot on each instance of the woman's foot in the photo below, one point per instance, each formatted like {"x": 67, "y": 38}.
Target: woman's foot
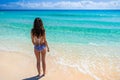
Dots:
{"x": 38, "y": 75}
{"x": 44, "y": 74}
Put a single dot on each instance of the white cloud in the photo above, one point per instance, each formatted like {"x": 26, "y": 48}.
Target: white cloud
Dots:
{"x": 88, "y": 4}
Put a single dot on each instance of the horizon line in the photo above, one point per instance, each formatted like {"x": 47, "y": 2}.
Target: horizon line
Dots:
{"x": 52, "y": 9}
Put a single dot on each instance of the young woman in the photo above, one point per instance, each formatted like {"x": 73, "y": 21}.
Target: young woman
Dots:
{"x": 39, "y": 41}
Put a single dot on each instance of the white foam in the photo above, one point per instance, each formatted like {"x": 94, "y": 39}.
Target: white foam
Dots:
{"x": 93, "y": 44}
{"x": 62, "y": 61}
{"x": 86, "y": 68}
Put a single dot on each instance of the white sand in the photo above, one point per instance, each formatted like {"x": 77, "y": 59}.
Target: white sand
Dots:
{"x": 21, "y": 66}
{"x": 17, "y": 66}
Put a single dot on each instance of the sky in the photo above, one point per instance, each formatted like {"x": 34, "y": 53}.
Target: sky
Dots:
{"x": 59, "y": 4}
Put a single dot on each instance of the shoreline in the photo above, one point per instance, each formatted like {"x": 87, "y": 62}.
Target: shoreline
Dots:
{"x": 17, "y": 66}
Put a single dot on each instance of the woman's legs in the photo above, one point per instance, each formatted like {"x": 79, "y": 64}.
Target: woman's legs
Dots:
{"x": 37, "y": 54}
{"x": 43, "y": 52}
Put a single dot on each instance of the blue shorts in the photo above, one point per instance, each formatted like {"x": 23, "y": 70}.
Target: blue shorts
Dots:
{"x": 39, "y": 47}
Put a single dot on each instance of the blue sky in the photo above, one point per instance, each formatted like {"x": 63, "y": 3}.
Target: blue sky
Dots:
{"x": 60, "y": 4}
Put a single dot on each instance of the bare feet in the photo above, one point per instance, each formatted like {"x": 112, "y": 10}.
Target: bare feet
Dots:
{"x": 38, "y": 75}
{"x": 44, "y": 74}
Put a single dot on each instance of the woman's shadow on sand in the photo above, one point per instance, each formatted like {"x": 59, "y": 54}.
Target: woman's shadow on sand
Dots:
{"x": 34, "y": 77}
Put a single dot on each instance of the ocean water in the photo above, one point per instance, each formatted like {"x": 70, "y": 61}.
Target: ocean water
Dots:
{"x": 71, "y": 26}
{"x": 88, "y": 40}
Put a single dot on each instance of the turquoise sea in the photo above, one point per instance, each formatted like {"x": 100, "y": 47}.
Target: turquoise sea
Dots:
{"x": 88, "y": 40}
{"x": 98, "y": 27}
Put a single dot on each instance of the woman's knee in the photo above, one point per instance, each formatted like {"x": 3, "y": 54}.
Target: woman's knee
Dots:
{"x": 43, "y": 61}
{"x": 38, "y": 62}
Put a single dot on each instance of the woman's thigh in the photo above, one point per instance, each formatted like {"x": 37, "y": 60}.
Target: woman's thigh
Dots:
{"x": 37, "y": 54}
{"x": 43, "y": 54}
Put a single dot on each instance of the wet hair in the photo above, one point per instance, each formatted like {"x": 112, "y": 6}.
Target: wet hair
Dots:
{"x": 38, "y": 28}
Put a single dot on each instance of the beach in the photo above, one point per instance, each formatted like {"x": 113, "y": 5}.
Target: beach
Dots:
{"x": 21, "y": 66}
{"x": 84, "y": 45}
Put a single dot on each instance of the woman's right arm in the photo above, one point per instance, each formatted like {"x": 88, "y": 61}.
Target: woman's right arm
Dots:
{"x": 46, "y": 43}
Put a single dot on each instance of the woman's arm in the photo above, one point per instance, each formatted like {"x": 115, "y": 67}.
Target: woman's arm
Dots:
{"x": 32, "y": 38}
{"x": 46, "y": 43}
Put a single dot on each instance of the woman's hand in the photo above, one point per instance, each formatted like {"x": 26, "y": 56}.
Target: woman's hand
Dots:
{"x": 48, "y": 49}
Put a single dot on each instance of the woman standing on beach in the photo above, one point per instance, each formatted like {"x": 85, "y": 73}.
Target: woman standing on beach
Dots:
{"x": 39, "y": 41}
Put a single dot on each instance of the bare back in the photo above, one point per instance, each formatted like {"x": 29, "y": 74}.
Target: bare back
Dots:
{"x": 39, "y": 40}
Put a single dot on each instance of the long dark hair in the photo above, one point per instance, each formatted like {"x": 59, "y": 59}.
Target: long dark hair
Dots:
{"x": 38, "y": 28}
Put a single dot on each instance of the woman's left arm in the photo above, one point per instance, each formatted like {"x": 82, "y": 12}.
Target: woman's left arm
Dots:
{"x": 32, "y": 38}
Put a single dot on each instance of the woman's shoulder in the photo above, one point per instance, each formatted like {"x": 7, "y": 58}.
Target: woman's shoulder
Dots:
{"x": 43, "y": 29}
{"x": 32, "y": 32}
